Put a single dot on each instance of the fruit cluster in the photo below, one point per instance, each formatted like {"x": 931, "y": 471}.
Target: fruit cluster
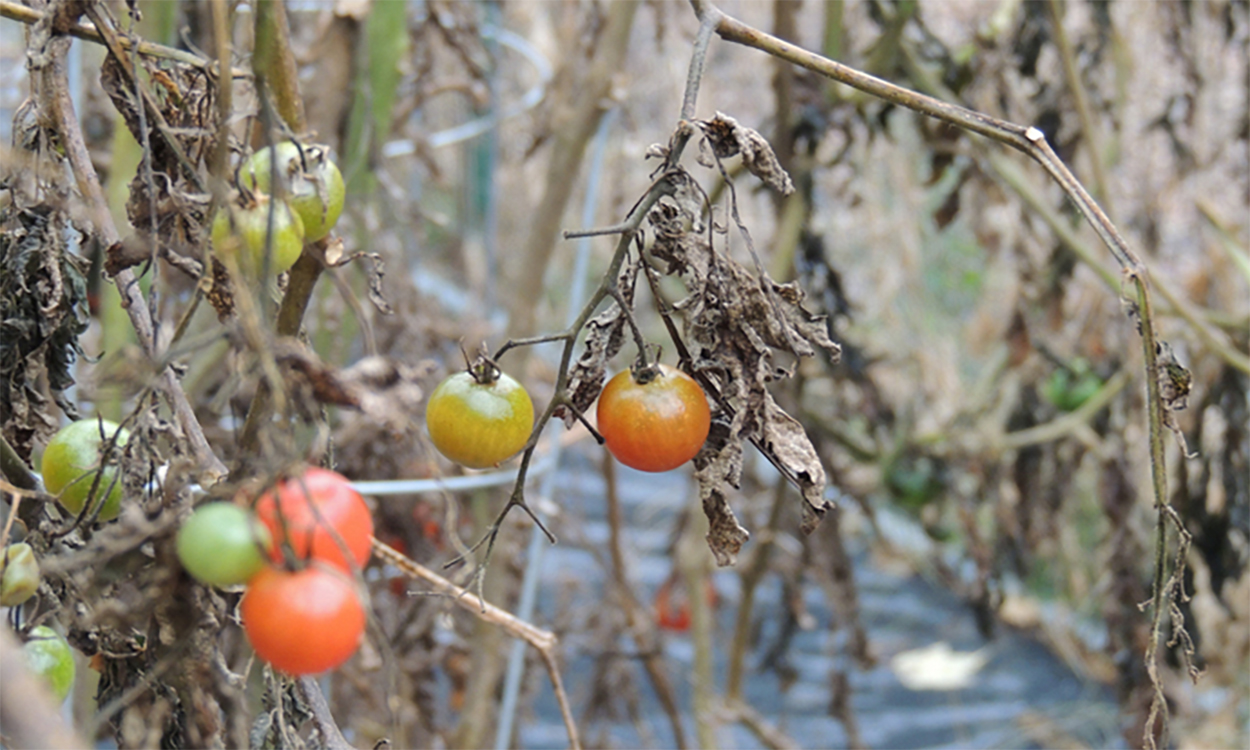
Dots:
{"x": 297, "y": 549}
{"x": 654, "y": 420}
{"x": 305, "y": 204}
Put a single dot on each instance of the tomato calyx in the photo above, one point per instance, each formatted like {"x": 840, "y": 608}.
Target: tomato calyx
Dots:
{"x": 482, "y": 368}
{"x": 645, "y": 373}
{"x": 645, "y": 370}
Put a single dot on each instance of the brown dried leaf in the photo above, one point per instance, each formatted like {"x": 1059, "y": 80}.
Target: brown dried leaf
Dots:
{"x": 382, "y": 389}
{"x": 1175, "y": 384}
{"x": 604, "y": 335}
{"x": 376, "y": 272}
{"x": 734, "y": 320}
{"x": 728, "y": 138}
{"x": 219, "y": 293}
{"x": 784, "y": 439}
{"x": 725, "y": 535}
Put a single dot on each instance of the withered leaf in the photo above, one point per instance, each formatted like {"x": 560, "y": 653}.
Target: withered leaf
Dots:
{"x": 785, "y": 440}
{"x": 718, "y": 466}
{"x": 219, "y": 293}
{"x": 725, "y": 535}
{"x": 735, "y": 321}
{"x": 1175, "y": 384}
{"x": 381, "y": 388}
{"x": 728, "y": 138}
{"x": 604, "y": 335}
{"x": 376, "y": 272}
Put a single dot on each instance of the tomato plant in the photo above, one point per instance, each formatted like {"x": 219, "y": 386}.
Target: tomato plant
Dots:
{"x": 223, "y": 544}
{"x": 655, "y": 425}
{"x": 314, "y": 512}
{"x": 313, "y": 185}
{"x": 303, "y": 622}
{"x": 479, "y": 417}
{"x": 49, "y": 656}
{"x": 72, "y": 460}
{"x": 239, "y": 231}
{"x": 20, "y": 577}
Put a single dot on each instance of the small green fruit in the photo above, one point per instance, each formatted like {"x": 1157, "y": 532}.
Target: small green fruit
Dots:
{"x": 49, "y": 656}
{"x": 222, "y": 544}
{"x": 314, "y": 187}
{"x": 72, "y": 460}
{"x": 239, "y": 232}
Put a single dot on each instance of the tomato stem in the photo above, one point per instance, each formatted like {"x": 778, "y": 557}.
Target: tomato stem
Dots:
{"x": 482, "y": 368}
{"x": 568, "y": 404}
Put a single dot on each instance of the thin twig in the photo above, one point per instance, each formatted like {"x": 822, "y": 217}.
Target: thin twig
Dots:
{"x": 87, "y": 32}
{"x": 1080, "y": 96}
{"x": 14, "y": 469}
{"x": 517, "y": 628}
{"x": 698, "y": 61}
{"x": 331, "y": 737}
{"x": 1029, "y": 140}
{"x": 572, "y": 234}
{"x": 543, "y": 641}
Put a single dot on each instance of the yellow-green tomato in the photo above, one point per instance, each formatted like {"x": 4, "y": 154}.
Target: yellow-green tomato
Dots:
{"x": 223, "y": 544}
{"x": 479, "y": 424}
{"x": 313, "y": 187}
{"x": 239, "y": 232}
{"x": 72, "y": 460}
{"x": 49, "y": 656}
{"x": 20, "y": 579}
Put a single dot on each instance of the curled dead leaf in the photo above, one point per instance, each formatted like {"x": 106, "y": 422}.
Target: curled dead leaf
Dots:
{"x": 604, "y": 335}
{"x": 728, "y": 138}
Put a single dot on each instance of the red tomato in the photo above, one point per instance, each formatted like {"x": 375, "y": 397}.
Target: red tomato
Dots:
{"x": 654, "y": 426}
{"x": 305, "y": 622}
{"x": 672, "y": 605}
{"x": 313, "y": 528}
{"x": 672, "y": 609}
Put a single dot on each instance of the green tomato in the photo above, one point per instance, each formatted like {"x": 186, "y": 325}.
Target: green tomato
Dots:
{"x": 314, "y": 188}
{"x": 239, "y": 231}
{"x": 222, "y": 544}
{"x": 49, "y": 656}
{"x": 72, "y": 460}
{"x": 20, "y": 579}
{"x": 1069, "y": 390}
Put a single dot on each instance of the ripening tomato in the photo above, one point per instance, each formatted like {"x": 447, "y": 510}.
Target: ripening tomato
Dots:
{"x": 657, "y": 425}
{"x": 312, "y": 513}
{"x": 313, "y": 187}
{"x": 223, "y": 544}
{"x": 240, "y": 229}
{"x": 303, "y": 622}
{"x": 72, "y": 460}
{"x": 479, "y": 417}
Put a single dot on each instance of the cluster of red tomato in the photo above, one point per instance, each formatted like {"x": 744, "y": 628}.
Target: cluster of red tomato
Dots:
{"x": 298, "y": 549}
